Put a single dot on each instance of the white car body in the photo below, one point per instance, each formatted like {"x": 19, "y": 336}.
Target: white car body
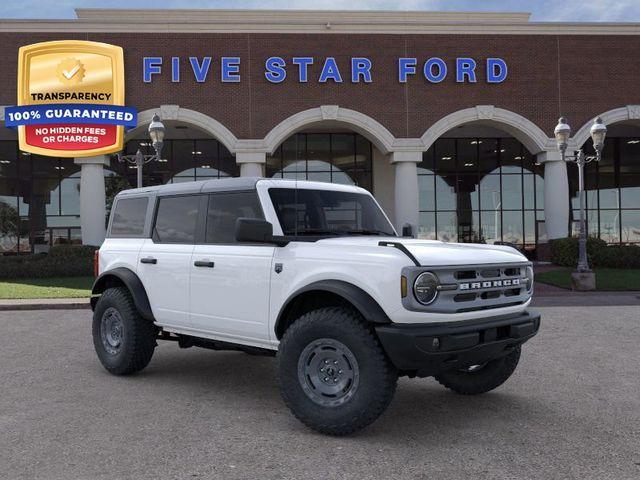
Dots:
{"x": 240, "y": 299}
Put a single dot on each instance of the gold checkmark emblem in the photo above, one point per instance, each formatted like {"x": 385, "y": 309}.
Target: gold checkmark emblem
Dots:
{"x": 70, "y": 71}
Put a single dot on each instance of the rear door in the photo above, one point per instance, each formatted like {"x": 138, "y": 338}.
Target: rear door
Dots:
{"x": 164, "y": 260}
{"x": 230, "y": 280}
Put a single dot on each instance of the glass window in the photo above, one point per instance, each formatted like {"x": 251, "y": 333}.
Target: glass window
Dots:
{"x": 8, "y": 159}
{"x": 512, "y": 230}
{"x": 327, "y": 212}
{"x": 490, "y": 198}
{"x": 487, "y": 155}
{"x": 511, "y": 192}
{"x": 629, "y": 155}
{"x": 630, "y": 190}
{"x": 609, "y": 225}
{"x": 447, "y": 226}
{"x": 427, "y": 192}
{"x": 319, "y": 152}
{"x": 511, "y": 155}
{"x": 343, "y": 158}
{"x": 427, "y": 227}
{"x": 182, "y": 164}
{"x": 630, "y": 226}
{"x": 176, "y": 219}
{"x": 128, "y": 217}
{"x": 223, "y": 211}
{"x": 445, "y": 156}
{"x": 445, "y": 194}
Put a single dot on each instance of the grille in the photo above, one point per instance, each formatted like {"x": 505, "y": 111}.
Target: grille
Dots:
{"x": 464, "y": 289}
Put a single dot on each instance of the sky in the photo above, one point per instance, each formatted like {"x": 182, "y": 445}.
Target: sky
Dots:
{"x": 542, "y": 10}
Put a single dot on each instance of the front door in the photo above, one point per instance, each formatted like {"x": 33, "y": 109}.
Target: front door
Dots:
{"x": 230, "y": 280}
{"x": 164, "y": 260}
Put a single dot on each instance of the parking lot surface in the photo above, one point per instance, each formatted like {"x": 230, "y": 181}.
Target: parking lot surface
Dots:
{"x": 571, "y": 410}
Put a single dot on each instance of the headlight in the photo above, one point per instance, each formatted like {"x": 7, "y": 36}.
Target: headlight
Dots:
{"x": 425, "y": 288}
{"x": 529, "y": 276}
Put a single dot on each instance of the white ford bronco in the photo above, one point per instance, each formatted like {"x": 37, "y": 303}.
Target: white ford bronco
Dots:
{"x": 315, "y": 274}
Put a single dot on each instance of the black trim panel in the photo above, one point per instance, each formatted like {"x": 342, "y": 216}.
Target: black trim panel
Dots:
{"x": 360, "y": 299}
{"x": 424, "y": 349}
{"x": 132, "y": 282}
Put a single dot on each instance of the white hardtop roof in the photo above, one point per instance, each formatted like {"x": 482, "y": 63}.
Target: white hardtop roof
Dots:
{"x": 235, "y": 184}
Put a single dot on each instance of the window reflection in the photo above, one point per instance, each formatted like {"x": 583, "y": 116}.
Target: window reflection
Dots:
{"x": 480, "y": 190}
{"x": 612, "y": 191}
{"x": 344, "y": 158}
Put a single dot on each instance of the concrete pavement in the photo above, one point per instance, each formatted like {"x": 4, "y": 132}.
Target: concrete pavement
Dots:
{"x": 569, "y": 411}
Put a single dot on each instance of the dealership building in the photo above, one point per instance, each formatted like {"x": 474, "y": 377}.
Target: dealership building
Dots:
{"x": 447, "y": 118}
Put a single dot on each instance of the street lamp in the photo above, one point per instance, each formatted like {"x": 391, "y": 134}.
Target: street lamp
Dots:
{"x": 156, "y": 133}
{"x": 562, "y": 133}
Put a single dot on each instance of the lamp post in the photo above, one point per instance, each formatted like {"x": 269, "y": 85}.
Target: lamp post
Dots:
{"x": 156, "y": 133}
{"x": 562, "y": 133}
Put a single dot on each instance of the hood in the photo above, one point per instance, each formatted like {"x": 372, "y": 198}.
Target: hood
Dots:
{"x": 437, "y": 253}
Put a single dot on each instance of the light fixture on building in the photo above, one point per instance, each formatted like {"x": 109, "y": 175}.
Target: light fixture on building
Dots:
{"x": 633, "y": 142}
{"x": 476, "y": 142}
{"x": 205, "y": 166}
{"x": 196, "y": 152}
{"x": 447, "y": 158}
{"x": 156, "y": 133}
{"x": 4, "y": 162}
{"x": 562, "y": 133}
{"x": 469, "y": 164}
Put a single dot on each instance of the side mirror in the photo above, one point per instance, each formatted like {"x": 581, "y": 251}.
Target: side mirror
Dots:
{"x": 254, "y": 230}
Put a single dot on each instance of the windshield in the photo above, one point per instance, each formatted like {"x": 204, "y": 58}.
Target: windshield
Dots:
{"x": 328, "y": 212}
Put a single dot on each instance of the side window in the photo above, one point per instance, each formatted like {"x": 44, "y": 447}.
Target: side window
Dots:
{"x": 128, "y": 217}
{"x": 176, "y": 219}
{"x": 224, "y": 209}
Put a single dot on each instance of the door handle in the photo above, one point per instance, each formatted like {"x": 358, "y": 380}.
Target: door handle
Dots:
{"x": 203, "y": 263}
{"x": 149, "y": 260}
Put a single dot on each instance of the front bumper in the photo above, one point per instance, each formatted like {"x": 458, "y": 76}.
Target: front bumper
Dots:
{"x": 426, "y": 349}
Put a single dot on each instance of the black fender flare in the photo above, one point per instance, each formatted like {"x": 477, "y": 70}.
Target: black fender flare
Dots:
{"x": 361, "y": 300}
{"x": 133, "y": 284}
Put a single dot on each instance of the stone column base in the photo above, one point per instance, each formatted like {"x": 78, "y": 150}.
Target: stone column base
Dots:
{"x": 583, "y": 281}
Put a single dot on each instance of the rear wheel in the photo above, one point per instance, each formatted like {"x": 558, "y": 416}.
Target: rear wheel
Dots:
{"x": 333, "y": 374}
{"x": 123, "y": 340}
{"x": 483, "y": 378}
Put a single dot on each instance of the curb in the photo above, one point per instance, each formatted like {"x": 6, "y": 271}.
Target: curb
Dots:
{"x": 45, "y": 304}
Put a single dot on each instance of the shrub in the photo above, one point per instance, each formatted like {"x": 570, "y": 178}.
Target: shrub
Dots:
{"x": 564, "y": 252}
{"x": 61, "y": 261}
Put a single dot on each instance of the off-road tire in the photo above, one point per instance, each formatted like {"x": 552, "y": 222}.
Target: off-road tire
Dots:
{"x": 377, "y": 377}
{"x": 490, "y": 376}
{"x": 138, "y": 336}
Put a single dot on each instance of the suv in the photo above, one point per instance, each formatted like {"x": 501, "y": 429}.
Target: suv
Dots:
{"x": 315, "y": 273}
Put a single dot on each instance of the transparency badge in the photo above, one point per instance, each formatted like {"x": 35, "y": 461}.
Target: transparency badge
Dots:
{"x": 70, "y": 99}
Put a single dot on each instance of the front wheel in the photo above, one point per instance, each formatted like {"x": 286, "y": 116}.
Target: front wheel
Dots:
{"x": 332, "y": 371}
{"x": 477, "y": 379}
{"x": 124, "y": 341}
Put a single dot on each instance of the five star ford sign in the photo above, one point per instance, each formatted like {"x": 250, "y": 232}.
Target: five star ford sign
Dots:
{"x": 70, "y": 99}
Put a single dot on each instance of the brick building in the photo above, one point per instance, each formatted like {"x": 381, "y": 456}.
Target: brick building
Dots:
{"x": 447, "y": 118}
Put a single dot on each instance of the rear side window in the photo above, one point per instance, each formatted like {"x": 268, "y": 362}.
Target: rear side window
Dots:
{"x": 176, "y": 219}
{"x": 128, "y": 217}
{"x": 223, "y": 211}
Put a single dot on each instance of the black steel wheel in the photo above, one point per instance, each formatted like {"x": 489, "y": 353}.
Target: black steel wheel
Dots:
{"x": 333, "y": 373}
{"x": 123, "y": 340}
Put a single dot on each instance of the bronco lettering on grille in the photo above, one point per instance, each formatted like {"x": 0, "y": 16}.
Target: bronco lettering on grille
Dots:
{"x": 491, "y": 284}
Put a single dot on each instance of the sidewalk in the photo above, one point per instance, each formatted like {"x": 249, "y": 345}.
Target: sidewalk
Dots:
{"x": 44, "y": 304}
{"x": 544, "y": 296}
